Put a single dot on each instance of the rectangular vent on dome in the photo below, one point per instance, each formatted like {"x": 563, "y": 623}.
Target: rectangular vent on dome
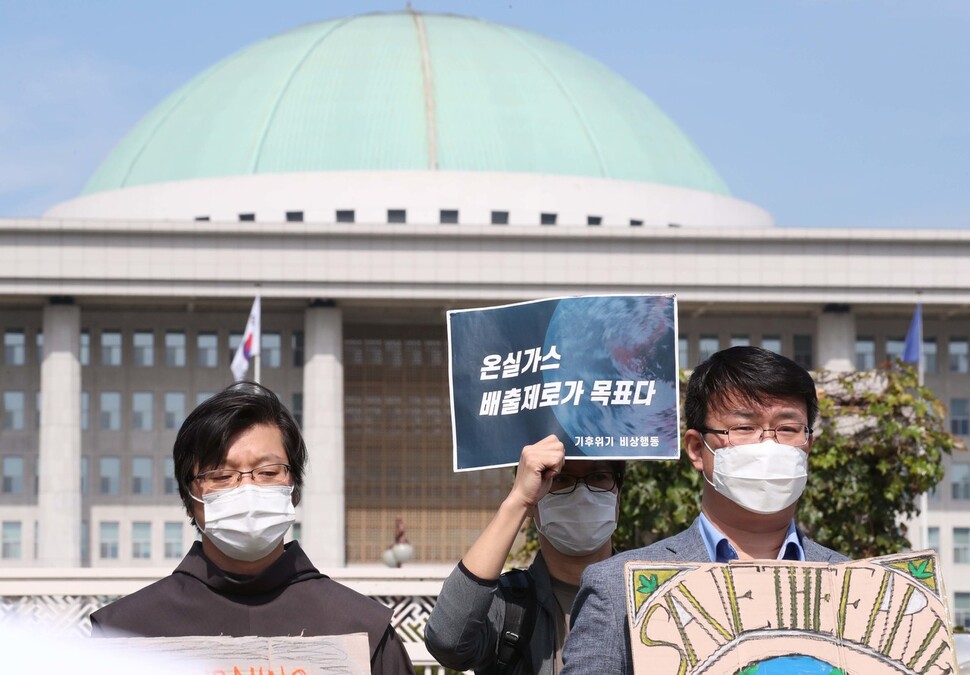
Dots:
{"x": 636, "y": 223}
{"x": 243, "y": 217}
{"x": 294, "y": 216}
{"x": 594, "y": 220}
{"x": 397, "y": 216}
{"x": 547, "y": 218}
{"x": 448, "y": 217}
{"x": 500, "y": 217}
{"x": 345, "y": 215}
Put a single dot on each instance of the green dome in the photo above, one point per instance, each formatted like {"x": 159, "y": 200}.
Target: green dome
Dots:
{"x": 406, "y": 91}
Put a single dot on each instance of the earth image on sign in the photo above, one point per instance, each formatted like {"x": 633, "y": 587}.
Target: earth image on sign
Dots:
{"x": 791, "y": 665}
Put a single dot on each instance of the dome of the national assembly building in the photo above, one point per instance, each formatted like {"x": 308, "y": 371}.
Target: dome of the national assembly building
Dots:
{"x": 416, "y": 118}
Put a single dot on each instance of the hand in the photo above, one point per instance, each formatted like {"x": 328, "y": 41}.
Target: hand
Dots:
{"x": 538, "y": 465}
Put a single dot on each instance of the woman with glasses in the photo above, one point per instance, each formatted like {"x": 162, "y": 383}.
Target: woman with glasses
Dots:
{"x": 239, "y": 463}
{"x": 517, "y": 622}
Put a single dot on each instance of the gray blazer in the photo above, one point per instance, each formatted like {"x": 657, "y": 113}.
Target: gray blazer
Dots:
{"x": 599, "y": 640}
{"x": 463, "y": 629}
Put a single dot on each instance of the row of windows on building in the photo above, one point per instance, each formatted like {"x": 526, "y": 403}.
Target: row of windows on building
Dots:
{"x": 957, "y": 356}
{"x": 110, "y": 413}
{"x": 445, "y": 217}
{"x": 109, "y": 540}
{"x": 142, "y": 472}
{"x": 111, "y": 350}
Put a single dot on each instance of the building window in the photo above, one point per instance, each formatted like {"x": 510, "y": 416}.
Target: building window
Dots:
{"x": 933, "y": 538}
{"x": 929, "y": 356}
{"x": 865, "y": 354}
{"x": 13, "y": 410}
{"x": 547, "y": 218}
{"x": 39, "y": 342}
{"x": 174, "y": 409}
{"x": 171, "y": 486}
{"x": 85, "y": 351}
{"x": 740, "y": 341}
{"x": 85, "y": 464}
{"x": 448, "y": 217}
{"x": 141, "y": 540}
{"x": 594, "y": 220}
{"x": 143, "y": 347}
{"x": 772, "y": 343}
{"x": 296, "y": 346}
{"x": 802, "y": 353}
{"x": 959, "y": 353}
{"x": 13, "y": 475}
{"x": 109, "y": 469}
{"x": 397, "y": 216}
{"x": 235, "y": 338}
{"x": 271, "y": 350}
{"x": 960, "y": 480}
{"x": 38, "y": 406}
{"x": 636, "y": 223}
{"x": 961, "y": 610}
{"x": 960, "y": 416}
{"x": 207, "y": 348}
{"x": 961, "y": 545}
{"x": 500, "y": 217}
{"x": 294, "y": 216}
{"x": 12, "y": 537}
{"x": 706, "y": 347}
{"x": 297, "y": 408}
{"x": 173, "y": 540}
{"x": 141, "y": 476}
{"x": 108, "y": 540}
{"x": 202, "y": 219}
{"x": 202, "y": 397}
{"x": 894, "y": 349}
{"x": 85, "y": 411}
{"x": 683, "y": 347}
{"x": 111, "y": 348}
{"x": 14, "y": 347}
{"x": 142, "y": 403}
{"x": 345, "y": 215}
{"x": 247, "y": 217}
{"x": 175, "y": 349}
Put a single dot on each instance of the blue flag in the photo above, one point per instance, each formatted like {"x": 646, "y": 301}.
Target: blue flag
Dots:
{"x": 913, "y": 349}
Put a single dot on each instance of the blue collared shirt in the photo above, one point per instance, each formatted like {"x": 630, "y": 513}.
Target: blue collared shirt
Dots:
{"x": 720, "y": 549}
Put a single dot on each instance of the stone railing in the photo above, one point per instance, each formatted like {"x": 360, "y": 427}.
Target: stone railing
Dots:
{"x": 61, "y": 600}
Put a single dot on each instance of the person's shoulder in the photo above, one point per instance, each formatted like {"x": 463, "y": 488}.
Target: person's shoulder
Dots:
{"x": 816, "y": 552}
{"x": 128, "y": 614}
{"x": 351, "y": 603}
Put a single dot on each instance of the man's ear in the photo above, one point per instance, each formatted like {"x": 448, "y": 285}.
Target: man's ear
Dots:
{"x": 694, "y": 447}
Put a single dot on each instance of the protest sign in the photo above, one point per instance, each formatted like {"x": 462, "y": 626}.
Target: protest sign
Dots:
{"x": 318, "y": 655}
{"x": 599, "y": 372}
{"x": 880, "y": 615}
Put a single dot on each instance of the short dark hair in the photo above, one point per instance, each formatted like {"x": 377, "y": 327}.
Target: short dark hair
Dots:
{"x": 750, "y": 374}
{"x": 204, "y": 438}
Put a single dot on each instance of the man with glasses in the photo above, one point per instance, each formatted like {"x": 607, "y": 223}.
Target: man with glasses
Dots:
{"x": 239, "y": 462}
{"x": 574, "y": 504}
{"x": 750, "y": 415}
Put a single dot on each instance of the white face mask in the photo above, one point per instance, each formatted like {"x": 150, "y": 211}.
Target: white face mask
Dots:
{"x": 578, "y": 523}
{"x": 248, "y": 522}
{"x": 760, "y": 477}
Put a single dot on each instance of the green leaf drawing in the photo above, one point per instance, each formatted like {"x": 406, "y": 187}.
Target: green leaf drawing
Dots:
{"x": 647, "y": 584}
{"x": 920, "y": 571}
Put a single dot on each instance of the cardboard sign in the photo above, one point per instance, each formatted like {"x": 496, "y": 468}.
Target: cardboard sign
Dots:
{"x": 319, "y": 655}
{"x": 880, "y": 615}
{"x": 599, "y": 372}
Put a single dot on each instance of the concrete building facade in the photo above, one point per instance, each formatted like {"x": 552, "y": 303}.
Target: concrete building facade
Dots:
{"x": 508, "y": 168}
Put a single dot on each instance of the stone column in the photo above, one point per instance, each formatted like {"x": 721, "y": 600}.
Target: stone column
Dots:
{"x": 836, "y": 338}
{"x": 323, "y": 528}
{"x": 59, "y": 498}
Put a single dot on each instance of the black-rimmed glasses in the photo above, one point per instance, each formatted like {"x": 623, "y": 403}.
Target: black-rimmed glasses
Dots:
{"x": 597, "y": 481}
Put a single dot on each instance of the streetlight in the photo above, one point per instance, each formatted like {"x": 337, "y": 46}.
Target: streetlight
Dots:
{"x": 400, "y": 551}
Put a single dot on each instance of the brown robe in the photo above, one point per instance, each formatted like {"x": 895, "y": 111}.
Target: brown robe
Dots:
{"x": 289, "y": 598}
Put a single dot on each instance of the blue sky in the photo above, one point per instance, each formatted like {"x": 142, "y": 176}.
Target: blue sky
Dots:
{"x": 829, "y": 113}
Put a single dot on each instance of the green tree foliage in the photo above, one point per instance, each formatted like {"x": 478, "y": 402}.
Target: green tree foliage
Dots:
{"x": 879, "y": 445}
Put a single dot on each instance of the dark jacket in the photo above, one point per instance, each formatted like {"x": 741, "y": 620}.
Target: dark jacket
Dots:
{"x": 289, "y": 598}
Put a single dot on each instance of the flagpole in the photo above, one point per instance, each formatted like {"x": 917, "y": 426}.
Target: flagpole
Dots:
{"x": 924, "y": 505}
{"x": 256, "y": 368}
